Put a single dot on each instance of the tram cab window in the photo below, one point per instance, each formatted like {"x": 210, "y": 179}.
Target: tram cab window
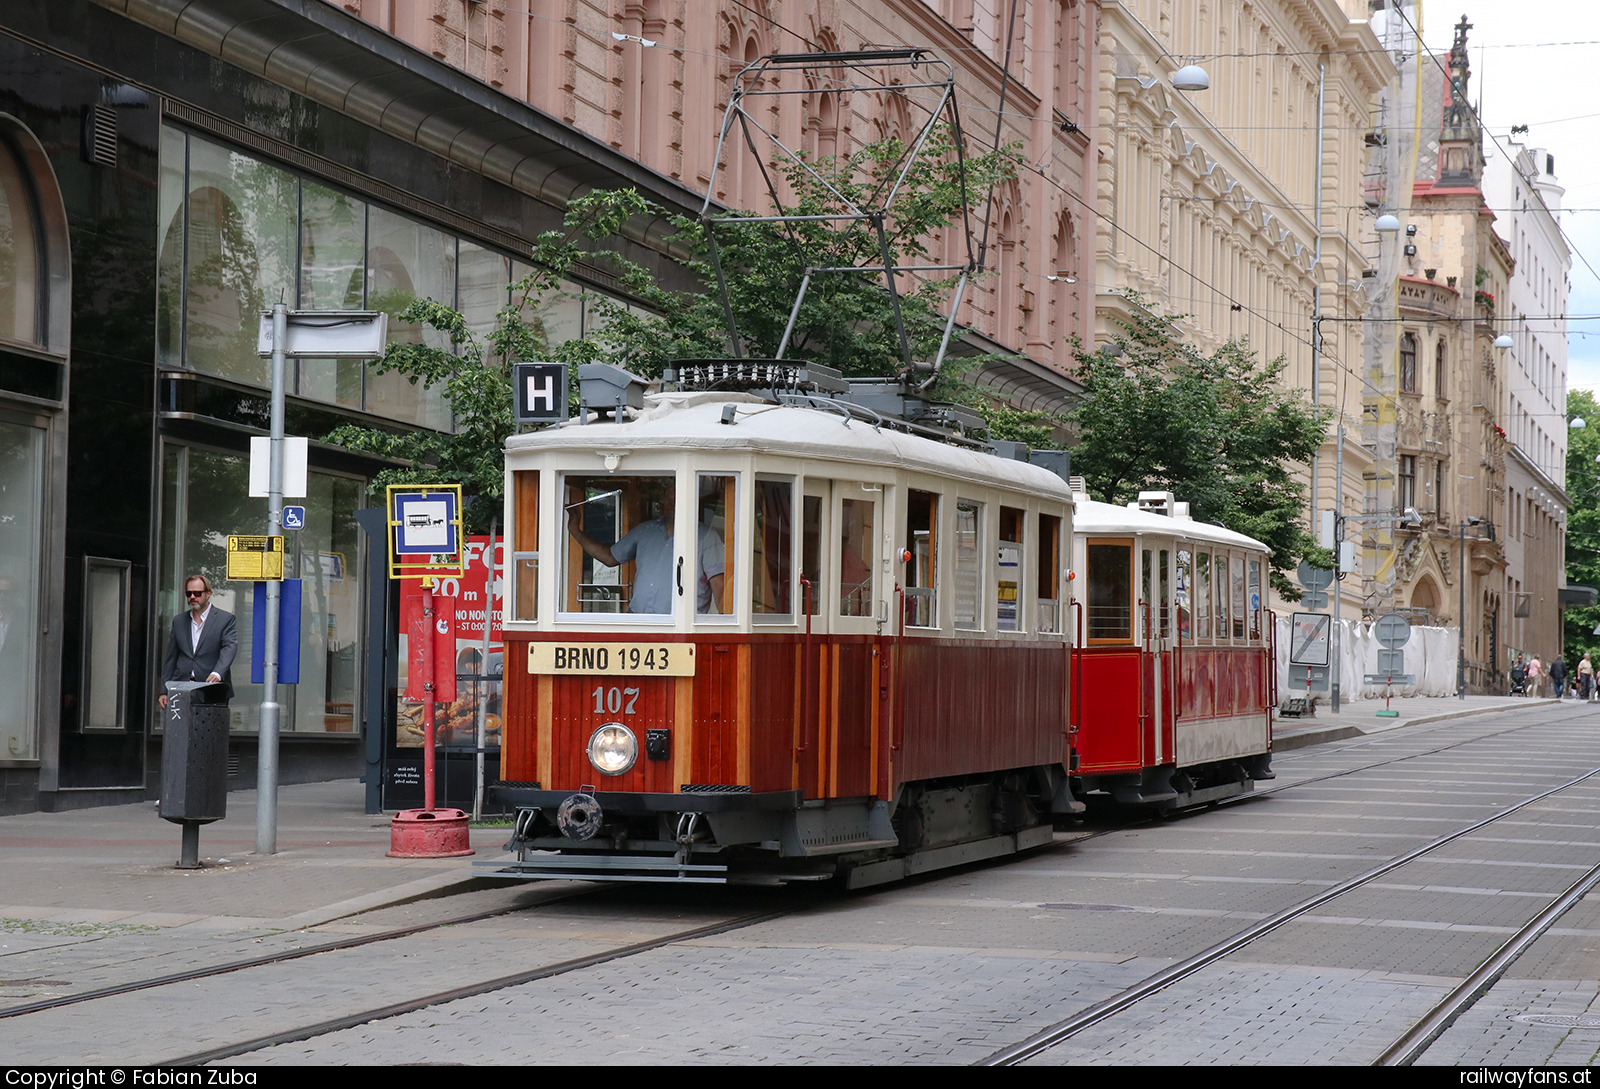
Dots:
{"x": 1049, "y": 580}
{"x": 922, "y": 570}
{"x": 771, "y": 593}
{"x": 620, "y": 548}
{"x": 811, "y": 553}
{"x": 1202, "y": 596}
{"x": 856, "y": 521}
{"x": 525, "y": 545}
{"x": 1110, "y": 591}
{"x": 714, "y": 522}
{"x": 1008, "y": 597}
{"x": 969, "y": 565}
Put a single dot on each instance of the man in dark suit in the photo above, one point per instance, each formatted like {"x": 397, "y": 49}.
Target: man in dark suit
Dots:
{"x": 203, "y": 641}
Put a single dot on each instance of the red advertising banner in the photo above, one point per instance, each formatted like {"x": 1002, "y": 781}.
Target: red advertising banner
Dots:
{"x": 466, "y": 603}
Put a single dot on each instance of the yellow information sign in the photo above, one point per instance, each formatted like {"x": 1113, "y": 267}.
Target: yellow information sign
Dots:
{"x": 255, "y": 559}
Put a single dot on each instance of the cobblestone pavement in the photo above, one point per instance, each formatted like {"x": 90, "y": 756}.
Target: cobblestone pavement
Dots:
{"x": 951, "y": 968}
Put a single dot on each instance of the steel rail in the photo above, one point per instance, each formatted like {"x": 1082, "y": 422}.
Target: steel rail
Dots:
{"x": 1047, "y": 1038}
{"x": 272, "y": 958}
{"x": 469, "y": 990}
{"x": 1410, "y": 1047}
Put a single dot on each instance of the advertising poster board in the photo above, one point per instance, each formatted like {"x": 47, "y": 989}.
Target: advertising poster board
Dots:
{"x": 475, "y": 597}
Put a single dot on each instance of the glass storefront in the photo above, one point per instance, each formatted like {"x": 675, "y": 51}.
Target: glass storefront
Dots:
{"x": 21, "y": 504}
{"x": 205, "y": 498}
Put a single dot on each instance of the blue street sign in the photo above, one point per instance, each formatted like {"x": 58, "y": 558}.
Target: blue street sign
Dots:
{"x": 294, "y": 518}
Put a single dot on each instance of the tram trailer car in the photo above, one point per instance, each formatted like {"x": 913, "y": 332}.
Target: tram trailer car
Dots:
{"x": 1175, "y": 658}
{"x": 752, "y": 641}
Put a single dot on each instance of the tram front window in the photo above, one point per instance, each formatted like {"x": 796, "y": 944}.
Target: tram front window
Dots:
{"x": 621, "y": 551}
{"x": 1110, "y": 592}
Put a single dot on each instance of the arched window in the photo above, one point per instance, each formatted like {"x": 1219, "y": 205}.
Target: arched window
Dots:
{"x": 1440, "y": 361}
{"x": 21, "y": 255}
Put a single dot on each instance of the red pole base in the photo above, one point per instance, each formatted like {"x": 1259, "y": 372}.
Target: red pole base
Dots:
{"x": 429, "y": 833}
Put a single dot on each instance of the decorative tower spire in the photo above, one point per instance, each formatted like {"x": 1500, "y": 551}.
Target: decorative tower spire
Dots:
{"x": 1460, "y": 143}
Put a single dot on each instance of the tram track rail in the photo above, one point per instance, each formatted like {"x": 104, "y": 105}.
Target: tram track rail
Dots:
{"x": 1415, "y": 1041}
{"x": 471, "y": 990}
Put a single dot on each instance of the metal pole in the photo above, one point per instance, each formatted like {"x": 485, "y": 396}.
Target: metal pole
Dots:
{"x": 1461, "y": 619}
{"x": 483, "y": 667}
{"x": 1338, "y": 550}
{"x": 267, "y": 750}
{"x": 1316, "y": 306}
{"x": 431, "y": 687}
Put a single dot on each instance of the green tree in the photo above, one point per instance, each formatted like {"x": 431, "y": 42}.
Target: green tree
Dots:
{"x": 846, "y": 321}
{"x": 1583, "y": 521}
{"x": 1220, "y": 431}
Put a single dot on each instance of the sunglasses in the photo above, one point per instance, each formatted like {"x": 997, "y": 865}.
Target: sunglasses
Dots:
{"x": 196, "y": 593}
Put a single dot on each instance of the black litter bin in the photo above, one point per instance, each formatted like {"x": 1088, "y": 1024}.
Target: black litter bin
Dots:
{"x": 194, "y": 759}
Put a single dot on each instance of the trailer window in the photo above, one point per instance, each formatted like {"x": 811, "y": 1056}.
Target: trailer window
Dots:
{"x": 1008, "y": 598}
{"x": 1049, "y": 580}
{"x": 922, "y": 578}
{"x": 1202, "y": 596}
{"x": 856, "y": 520}
{"x": 771, "y": 595}
{"x": 1110, "y": 591}
{"x": 969, "y": 565}
{"x": 1255, "y": 599}
{"x": 1220, "y": 574}
{"x": 525, "y": 545}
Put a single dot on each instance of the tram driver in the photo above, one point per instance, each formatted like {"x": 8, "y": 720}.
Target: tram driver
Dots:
{"x": 649, "y": 546}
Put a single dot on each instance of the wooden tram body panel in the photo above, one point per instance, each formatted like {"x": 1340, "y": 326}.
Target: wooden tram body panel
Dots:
{"x": 880, "y": 626}
{"x": 745, "y": 718}
{"x": 1174, "y": 659}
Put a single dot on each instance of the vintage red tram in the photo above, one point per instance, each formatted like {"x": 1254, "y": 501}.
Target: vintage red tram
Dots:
{"x": 1175, "y": 695}
{"x": 751, "y": 640}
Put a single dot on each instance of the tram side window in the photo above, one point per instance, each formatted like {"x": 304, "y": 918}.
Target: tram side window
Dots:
{"x": 1110, "y": 591}
{"x": 525, "y": 545}
{"x": 771, "y": 594}
{"x": 922, "y": 570}
{"x": 811, "y": 552}
{"x": 1236, "y": 591}
{"x": 714, "y": 522}
{"x": 1049, "y": 573}
{"x": 1220, "y": 572}
{"x": 1164, "y": 596}
{"x": 1255, "y": 599}
{"x": 1008, "y": 597}
{"x": 1202, "y": 596}
{"x": 620, "y": 549}
{"x": 1148, "y": 589}
{"x": 969, "y": 565}
{"x": 856, "y": 519}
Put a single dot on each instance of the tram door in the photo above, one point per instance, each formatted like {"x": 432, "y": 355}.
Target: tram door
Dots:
{"x": 1113, "y": 691}
{"x": 1157, "y": 619}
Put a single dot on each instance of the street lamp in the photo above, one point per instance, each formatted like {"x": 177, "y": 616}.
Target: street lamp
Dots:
{"x": 1461, "y": 619}
{"x": 1191, "y": 77}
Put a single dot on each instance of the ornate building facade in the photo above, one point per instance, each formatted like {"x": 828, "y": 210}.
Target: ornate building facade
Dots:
{"x": 1231, "y": 210}
{"x": 651, "y": 78}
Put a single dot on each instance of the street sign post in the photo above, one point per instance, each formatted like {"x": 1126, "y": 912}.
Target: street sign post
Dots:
{"x": 1308, "y": 639}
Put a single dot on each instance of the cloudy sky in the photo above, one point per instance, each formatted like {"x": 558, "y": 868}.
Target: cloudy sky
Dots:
{"x": 1528, "y": 63}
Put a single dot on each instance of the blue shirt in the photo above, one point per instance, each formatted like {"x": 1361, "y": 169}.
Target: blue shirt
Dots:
{"x": 650, "y": 545}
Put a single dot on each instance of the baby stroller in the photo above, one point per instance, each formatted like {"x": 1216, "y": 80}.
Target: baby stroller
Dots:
{"x": 1519, "y": 681}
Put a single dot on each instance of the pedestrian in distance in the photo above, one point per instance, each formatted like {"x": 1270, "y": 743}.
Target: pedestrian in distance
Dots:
{"x": 1535, "y": 677}
{"x": 1558, "y": 676}
{"x": 1586, "y": 678}
{"x": 203, "y": 642}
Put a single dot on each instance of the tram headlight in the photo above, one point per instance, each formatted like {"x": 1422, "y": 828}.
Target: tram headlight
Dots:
{"x": 613, "y": 749}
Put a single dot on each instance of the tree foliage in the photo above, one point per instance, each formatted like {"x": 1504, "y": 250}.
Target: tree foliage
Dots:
{"x": 1222, "y": 432}
{"x": 1583, "y": 522}
{"x": 846, "y": 321}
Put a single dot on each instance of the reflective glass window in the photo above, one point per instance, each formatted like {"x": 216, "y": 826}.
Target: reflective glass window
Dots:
{"x": 969, "y": 565}
{"x": 771, "y": 592}
{"x": 922, "y": 570}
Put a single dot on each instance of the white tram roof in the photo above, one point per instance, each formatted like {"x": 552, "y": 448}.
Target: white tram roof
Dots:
{"x": 689, "y": 422}
{"x": 1092, "y": 519}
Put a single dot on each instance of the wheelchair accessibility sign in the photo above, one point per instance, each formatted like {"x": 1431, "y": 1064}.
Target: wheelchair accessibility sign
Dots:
{"x": 294, "y": 518}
